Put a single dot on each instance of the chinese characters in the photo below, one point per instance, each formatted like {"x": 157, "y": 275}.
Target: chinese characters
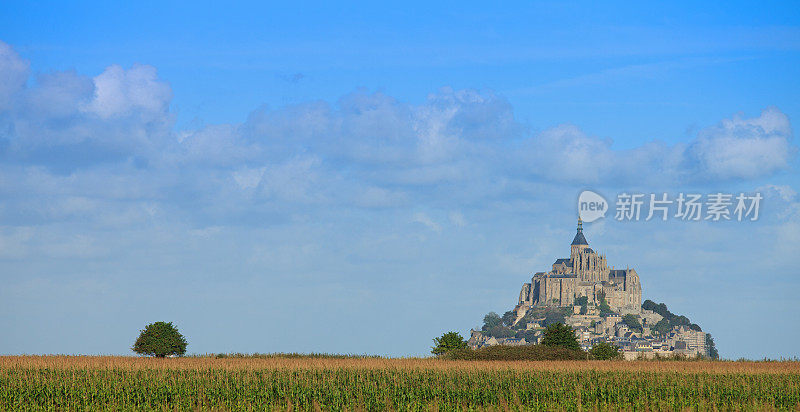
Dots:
{"x": 689, "y": 206}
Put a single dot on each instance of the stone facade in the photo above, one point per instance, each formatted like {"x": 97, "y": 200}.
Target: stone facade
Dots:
{"x": 584, "y": 273}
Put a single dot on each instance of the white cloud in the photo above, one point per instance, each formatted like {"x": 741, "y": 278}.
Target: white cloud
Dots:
{"x": 214, "y": 146}
{"x": 737, "y": 148}
{"x": 59, "y": 95}
{"x": 744, "y": 148}
{"x": 248, "y": 178}
{"x": 787, "y": 231}
{"x": 297, "y": 180}
{"x": 13, "y": 72}
{"x": 565, "y": 153}
{"x": 66, "y": 121}
{"x": 119, "y": 92}
{"x": 85, "y": 141}
{"x": 427, "y": 221}
{"x": 378, "y": 130}
{"x": 784, "y": 192}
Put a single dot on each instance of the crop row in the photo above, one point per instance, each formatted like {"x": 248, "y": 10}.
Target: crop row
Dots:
{"x": 381, "y": 389}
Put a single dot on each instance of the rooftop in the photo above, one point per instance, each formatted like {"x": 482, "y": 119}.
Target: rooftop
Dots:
{"x": 579, "y": 239}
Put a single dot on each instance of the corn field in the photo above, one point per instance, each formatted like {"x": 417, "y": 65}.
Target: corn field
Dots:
{"x": 122, "y": 383}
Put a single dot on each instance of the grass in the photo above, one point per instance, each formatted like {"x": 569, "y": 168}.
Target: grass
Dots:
{"x": 367, "y": 383}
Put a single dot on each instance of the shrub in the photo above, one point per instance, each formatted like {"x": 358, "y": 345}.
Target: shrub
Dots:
{"x": 530, "y": 336}
{"x": 517, "y": 353}
{"x": 500, "y": 332}
{"x": 605, "y": 351}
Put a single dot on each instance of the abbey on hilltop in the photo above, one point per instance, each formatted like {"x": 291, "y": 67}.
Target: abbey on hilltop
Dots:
{"x": 601, "y": 304}
{"x": 584, "y": 273}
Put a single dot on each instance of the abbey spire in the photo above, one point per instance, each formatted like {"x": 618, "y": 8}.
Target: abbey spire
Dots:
{"x": 579, "y": 241}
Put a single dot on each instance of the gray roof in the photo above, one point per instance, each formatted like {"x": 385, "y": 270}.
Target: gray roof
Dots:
{"x": 579, "y": 239}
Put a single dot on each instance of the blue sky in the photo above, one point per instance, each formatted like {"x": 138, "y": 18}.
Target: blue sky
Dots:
{"x": 361, "y": 178}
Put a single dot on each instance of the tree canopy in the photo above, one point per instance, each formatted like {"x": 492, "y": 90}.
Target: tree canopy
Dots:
{"x": 671, "y": 319}
{"x": 712, "y": 348}
{"x": 500, "y": 331}
{"x": 559, "y": 334}
{"x": 491, "y": 320}
{"x": 632, "y": 322}
{"x": 662, "y": 327}
{"x": 160, "y": 339}
{"x": 448, "y": 342}
{"x": 604, "y": 351}
{"x": 603, "y": 305}
{"x": 509, "y": 318}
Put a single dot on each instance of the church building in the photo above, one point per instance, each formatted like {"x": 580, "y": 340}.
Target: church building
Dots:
{"x": 584, "y": 273}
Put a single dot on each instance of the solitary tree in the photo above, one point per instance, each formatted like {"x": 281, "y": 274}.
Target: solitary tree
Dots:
{"x": 160, "y": 339}
{"x": 559, "y": 334}
{"x": 447, "y": 342}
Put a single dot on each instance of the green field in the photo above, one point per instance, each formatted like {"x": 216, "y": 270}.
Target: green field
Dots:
{"x": 80, "y": 383}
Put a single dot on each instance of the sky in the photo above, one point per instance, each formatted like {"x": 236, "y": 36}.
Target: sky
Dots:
{"x": 362, "y": 177}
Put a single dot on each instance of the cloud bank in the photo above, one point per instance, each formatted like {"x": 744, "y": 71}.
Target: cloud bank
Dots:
{"x": 365, "y": 149}
{"x": 103, "y": 152}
